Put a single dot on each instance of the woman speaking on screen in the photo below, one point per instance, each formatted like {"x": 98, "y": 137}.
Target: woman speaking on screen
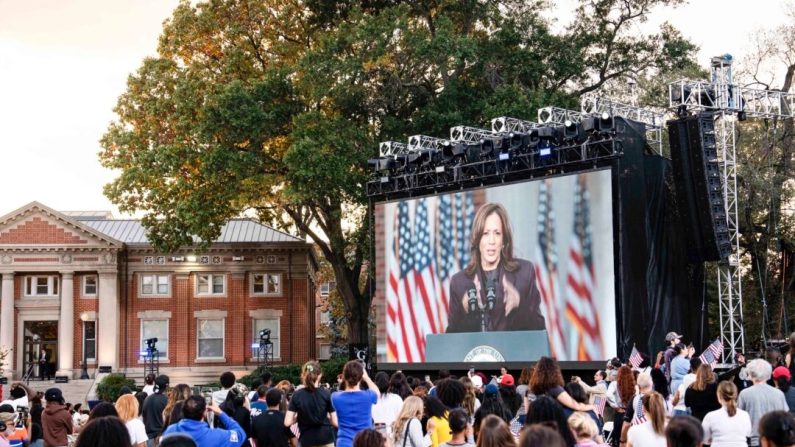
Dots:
{"x": 495, "y": 292}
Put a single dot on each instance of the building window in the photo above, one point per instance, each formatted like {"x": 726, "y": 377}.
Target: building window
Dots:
{"x": 325, "y": 351}
{"x": 90, "y": 340}
{"x": 210, "y": 284}
{"x": 155, "y": 329}
{"x": 327, "y": 287}
{"x": 266, "y": 283}
{"x": 154, "y": 284}
{"x": 90, "y": 285}
{"x": 325, "y": 317}
{"x": 210, "y": 334}
{"x": 41, "y": 285}
{"x": 267, "y": 323}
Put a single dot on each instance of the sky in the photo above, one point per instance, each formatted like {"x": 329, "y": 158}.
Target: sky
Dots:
{"x": 64, "y": 63}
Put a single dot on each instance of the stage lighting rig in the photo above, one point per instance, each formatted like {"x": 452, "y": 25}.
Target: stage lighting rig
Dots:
{"x": 386, "y": 163}
{"x": 425, "y": 152}
{"x": 505, "y": 124}
{"x": 151, "y": 343}
{"x": 573, "y": 132}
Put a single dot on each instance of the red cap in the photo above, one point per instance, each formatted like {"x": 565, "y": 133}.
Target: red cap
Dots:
{"x": 507, "y": 380}
{"x": 781, "y": 371}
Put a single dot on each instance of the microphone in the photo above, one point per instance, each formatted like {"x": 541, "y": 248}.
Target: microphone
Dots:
{"x": 491, "y": 295}
{"x": 473, "y": 299}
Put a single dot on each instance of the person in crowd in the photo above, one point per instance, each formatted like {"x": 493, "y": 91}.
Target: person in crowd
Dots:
{"x": 177, "y": 440}
{"x": 194, "y": 425}
{"x": 516, "y": 301}
{"x": 102, "y": 410}
{"x": 369, "y": 438}
{"x": 20, "y": 395}
{"x": 678, "y": 398}
{"x": 287, "y": 388}
{"x": 492, "y": 405}
{"x": 789, "y": 359}
{"x": 777, "y": 429}
{"x": 408, "y": 425}
{"x": 266, "y": 378}
{"x": 260, "y": 404}
{"x": 774, "y": 357}
{"x": 680, "y": 365}
{"x": 524, "y": 381}
{"x": 149, "y": 384}
{"x": 386, "y": 410}
{"x": 16, "y": 434}
{"x": 267, "y": 428}
{"x": 311, "y": 409}
{"x": 546, "y": 410}
{"x": 153, "y": 407}
{"x": 56, "y": 420}
{"x": 684, "y": 431}
{"x": 760, "y": 398}
{"x": 181, "y": 392}
{"x": 141, "y": 396}
{"x": 728, "y": 426}
{"x": 599, "y": 387}
{"x": 36, "y": 435}
{"x": 619, "y": 397}
{"x": 175, "y": 415}
{"x": 702, "y": 396}
{"x": 471, "y": 402}
{"x": 633, "y": 413}
{"x": 127, "y": 407}
{"x": 437, "y": 425}
{"x": 494, "y": 432}
{"x": 782, "y": 379}
{"x": 236, "y": 406}
{"x": 227, "y": 380}
{"x": 672, "y": 339}
{"x": 540, "y": 435}
{"x": 460, "y": 429}
{"x": 548, "y": 379}
{"x": 398, "y": 385}
{"x": 103, "y": 432}
{"x": 508, "y": 393}
{"x": 650, "y": 433}
{"x": 661, "y": 385}
{"x": 451, "y": 392}
{"x": 585, "y": 431}
{"x": 36, "y": 409}
{"x": 354, "y": 406}
{"x": 578, "y": 394}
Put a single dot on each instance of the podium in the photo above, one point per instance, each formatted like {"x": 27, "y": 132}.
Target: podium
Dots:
{"x": 477, "y": 347}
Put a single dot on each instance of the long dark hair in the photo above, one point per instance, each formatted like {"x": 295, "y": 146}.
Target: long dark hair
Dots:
{"x": 546, "y": 376}
{"x": 507, "y": 260}
{"x": 492, "y": 404}
{"x": 399, "y": 385}
{"x": 546, "y": 410}
{"x": 434, "y": 407}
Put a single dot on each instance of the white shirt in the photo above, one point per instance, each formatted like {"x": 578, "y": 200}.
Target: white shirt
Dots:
{"x": 643, "y": 435}
{"x": 220, "y": 396}
{"x": 725, "y": 431}
{"x": 137, "y": 431}
{"x": 21, "y": 402}
{"x": 687, "y": 380}
{"x": 149, "y": 389}
{"x": 386, "y": 410}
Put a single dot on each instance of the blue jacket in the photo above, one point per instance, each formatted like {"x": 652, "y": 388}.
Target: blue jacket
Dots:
{"x": 205, "y": 436}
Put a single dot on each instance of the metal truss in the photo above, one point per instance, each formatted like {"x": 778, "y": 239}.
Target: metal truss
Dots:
{"x": 591, "y": 104}
{"x": 505, "y": 124}
{"x": 469, "y": 135}
{"x": 392, "y": 148}
{"x": 557, "y": 115}
{"x": 424, "y": 142}
{"x": 433, "y": 179}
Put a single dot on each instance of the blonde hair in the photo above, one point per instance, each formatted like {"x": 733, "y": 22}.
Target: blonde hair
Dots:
{"x": 727, "y": 392}
{"x": 412, "y": 408}
{"x": 127, "y": 407}
{"x": 583, "y": 426}
{"x": 654, "y": 405}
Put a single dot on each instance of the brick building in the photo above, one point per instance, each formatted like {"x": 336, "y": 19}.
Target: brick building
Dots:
{"x": 85, "y": 284}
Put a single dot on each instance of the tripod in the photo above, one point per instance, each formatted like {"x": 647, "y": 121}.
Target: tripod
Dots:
{"x": 152, "y": 361}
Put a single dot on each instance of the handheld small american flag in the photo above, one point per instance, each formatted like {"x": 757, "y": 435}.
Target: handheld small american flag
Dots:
{"x": 635, "y": 359}
{"x": 599, "y": 405}
{"x": 639, "y": 417}
{"x": 712, "y": 353}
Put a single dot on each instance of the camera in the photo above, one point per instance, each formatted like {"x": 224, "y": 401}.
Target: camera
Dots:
{"x": 264, "y": 334}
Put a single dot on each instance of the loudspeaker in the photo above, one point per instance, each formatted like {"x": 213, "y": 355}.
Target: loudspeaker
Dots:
{"x": 699, "y": 187}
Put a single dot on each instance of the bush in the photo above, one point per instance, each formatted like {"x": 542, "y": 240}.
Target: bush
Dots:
{"x": 108, "y": 388}
{"x": 292, "y": 372}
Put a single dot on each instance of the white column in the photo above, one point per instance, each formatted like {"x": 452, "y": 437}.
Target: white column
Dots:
{"x": 108, "y": 321}
{"x": 7, "y": 319}
{"x": 66, "y": 326}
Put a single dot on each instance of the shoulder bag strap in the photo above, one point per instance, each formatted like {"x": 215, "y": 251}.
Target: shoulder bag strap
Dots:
{"x": 406, "y": 434}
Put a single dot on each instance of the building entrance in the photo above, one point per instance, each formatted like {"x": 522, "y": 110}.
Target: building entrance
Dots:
{"x": 40, "y": 349}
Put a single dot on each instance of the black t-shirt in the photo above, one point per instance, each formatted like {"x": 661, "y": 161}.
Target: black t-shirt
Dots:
{"x": 702, "y": 402}
{"x": 312, "y": 408}
{"x": 153, "y": 414}
{"x": 269, "y": 430}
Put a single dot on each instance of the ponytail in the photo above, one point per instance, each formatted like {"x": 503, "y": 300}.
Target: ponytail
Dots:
{"x": 310, "y": 373}
{"x": 654, "y": 405}
{"x": 727, "y": 392}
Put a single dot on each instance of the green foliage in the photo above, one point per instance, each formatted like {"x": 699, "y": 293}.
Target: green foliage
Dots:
{"x": 108, "y": 388}
{"x": 292, "y": 372}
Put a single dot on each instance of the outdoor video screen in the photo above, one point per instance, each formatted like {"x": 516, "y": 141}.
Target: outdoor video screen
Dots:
{"x": 512, "y": 264}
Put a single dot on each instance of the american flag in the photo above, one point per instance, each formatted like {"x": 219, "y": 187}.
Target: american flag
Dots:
{"x": 712, "y": 353}
{"x": 599, "y": 404}
{"x": 639, "y": 417}
{"x": 454, "y": 223}
{"x": 405, "y": 342}
{"x": 546, "y": 267}
{"x": 635, "y": 359}
{"x": 585, "y": 334}
{"x": 429, "y": 313}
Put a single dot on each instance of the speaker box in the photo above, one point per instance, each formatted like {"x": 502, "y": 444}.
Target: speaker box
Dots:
{"x": 699, "y": 188}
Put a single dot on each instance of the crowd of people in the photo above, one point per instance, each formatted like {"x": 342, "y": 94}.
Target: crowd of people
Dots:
{"x": 677, "y": 402}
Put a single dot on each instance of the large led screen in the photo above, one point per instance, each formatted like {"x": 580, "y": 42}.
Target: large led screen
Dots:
{"x": 532, "y": 256}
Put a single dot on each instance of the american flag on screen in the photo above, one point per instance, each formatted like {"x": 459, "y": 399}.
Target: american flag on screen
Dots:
{"x": 635, "y": 359}
{"x": 430, "y": 307}
{"x": 584, "y": 335}
{"x": 546, "y": 267}
{"x": 405, "y": 341}
{"x": 454, "y": 223}
{"x": 712, "y": 353}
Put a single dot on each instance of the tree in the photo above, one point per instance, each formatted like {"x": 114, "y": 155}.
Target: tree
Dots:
{"x": 275, "y": 106}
